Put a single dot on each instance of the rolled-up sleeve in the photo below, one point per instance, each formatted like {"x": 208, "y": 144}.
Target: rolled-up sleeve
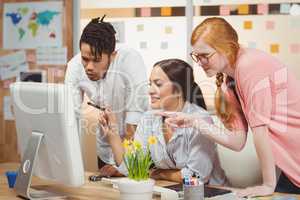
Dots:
{"x": 133, "y": 117}
{"x": 72, "y": 81}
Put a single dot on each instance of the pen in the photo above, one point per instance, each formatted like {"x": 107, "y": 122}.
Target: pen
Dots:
{"x": 95, "y": 178}
{"x": 95, "y": 106}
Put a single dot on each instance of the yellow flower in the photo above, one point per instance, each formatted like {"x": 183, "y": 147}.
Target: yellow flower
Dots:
{"x": 130, "y": 150}
{"x": 126, "y": 144}
{"x": 137, "y": 145}
{"x": 152, "y": 140}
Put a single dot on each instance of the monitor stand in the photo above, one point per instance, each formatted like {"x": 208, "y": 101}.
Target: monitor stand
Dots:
{"x": 25, "y": 172}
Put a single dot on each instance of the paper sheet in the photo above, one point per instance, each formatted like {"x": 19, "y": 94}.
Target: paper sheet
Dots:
{"x": 7, "y": 108}
{"x": 6, "y": 83}
{"x": 51, "y": 56}
{"x": 11, "y": 65}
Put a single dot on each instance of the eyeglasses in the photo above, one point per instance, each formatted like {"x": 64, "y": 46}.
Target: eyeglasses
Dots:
{"x": 204, "y": 59}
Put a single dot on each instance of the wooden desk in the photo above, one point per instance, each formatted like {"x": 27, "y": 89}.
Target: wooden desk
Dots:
{"x": 89, "y": 191}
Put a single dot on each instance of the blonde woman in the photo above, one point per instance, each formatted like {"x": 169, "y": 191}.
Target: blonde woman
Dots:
{"x": 253, "y": 89}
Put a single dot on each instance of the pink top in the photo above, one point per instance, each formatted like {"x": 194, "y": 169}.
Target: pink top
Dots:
{"x": 270, "y": 95}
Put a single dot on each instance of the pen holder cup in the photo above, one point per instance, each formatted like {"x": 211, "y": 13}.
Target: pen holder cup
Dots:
{"x": 193, "y": 192}
{"x": 11, "y": 178}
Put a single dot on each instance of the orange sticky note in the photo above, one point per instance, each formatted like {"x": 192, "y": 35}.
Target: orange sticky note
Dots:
{"x": 248, "y": 25}
{"x": 224, "y": 10}
{"x": 166, "y": 11}
{"x": 274, "y": 48}
{"x": 243, "y": 9}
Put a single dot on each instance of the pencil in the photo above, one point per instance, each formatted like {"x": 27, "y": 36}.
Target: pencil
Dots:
{"x": 95, "y": 106}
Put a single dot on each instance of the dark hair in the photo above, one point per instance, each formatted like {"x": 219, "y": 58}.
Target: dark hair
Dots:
{"x": 181, "y": 73}
{"x": 100, "y": 36}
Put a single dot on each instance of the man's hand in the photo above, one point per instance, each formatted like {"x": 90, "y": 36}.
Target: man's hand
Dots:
{"x": 155, "y": 174}
{"x": 109, "y": 171}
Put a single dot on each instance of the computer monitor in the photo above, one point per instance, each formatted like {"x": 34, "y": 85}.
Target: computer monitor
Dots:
{"x": 47, "y": 136}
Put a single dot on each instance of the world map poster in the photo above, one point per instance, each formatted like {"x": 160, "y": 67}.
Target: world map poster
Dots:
{"x": 32, "y": 25}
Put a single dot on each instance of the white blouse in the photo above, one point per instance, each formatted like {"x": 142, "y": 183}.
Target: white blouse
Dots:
{"x": 187, "y": 150}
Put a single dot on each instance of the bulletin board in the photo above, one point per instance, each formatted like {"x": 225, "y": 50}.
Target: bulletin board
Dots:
{"x": 38, "y": 44}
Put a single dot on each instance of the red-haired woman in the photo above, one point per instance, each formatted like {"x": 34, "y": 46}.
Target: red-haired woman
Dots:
{"x": 253, "y": 89}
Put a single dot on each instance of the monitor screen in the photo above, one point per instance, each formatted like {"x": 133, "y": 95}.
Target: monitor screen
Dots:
{"x": 46, "y": 110}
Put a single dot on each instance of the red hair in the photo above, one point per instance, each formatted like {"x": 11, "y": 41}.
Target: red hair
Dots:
{"x": 221, "y": 36}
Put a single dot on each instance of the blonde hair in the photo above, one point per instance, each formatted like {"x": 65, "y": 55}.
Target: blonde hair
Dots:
{"x": 221, "y": 36}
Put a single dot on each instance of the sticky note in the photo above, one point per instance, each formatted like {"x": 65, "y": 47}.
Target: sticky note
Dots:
{"x": 295, "y": 48}
{"x": 166, "y": 11}
{"x": 140, "y": 27}
{"x": 224, "y": 10}
{"x": 143, "y": 45}
{"x": 168, "y": 29}
{"x": 285, "y": 8}
{"x": 252, "y": 45}
{"x": 274, "y": 48}
{"x": 270, "y": 25}
{"x": 294, "y": 23}
{"x": 145, "y": 12}
{"x": 295, "y": 10}
{"x": 243, "y": 9}
{"x": 248, "y": 25}
{"x": 7, "y": 82}
{"x": 262, "y": 9}
{"x": 164, "y": 45}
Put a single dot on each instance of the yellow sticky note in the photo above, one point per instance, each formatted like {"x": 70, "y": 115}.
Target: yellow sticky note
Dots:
{"x": 247, "y": 24}
{"x": 168, "y": 29}
{"x": 166, "y": 11}
{"x": 140, "y": 27}
{"x": 274, "y": 48}
{"x": 243, "y": 9}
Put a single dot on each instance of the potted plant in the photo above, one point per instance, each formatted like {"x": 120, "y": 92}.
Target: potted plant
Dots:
{"x": 138, "y": 185}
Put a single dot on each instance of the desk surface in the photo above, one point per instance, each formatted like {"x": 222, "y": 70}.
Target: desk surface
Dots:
{"x": 90, "y": 190}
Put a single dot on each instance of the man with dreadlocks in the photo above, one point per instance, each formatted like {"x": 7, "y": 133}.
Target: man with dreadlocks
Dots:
{"x": 114, "y": 79}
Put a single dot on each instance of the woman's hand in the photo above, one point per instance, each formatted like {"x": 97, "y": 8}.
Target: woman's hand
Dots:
{"x": 108, "y": 123}
{"x": 178, "y": 119}
{"x": 262, "y": 190}
{"x": 183, "y": 120}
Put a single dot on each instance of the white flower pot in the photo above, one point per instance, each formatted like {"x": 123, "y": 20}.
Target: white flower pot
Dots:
{"x": 135, "y": 190}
